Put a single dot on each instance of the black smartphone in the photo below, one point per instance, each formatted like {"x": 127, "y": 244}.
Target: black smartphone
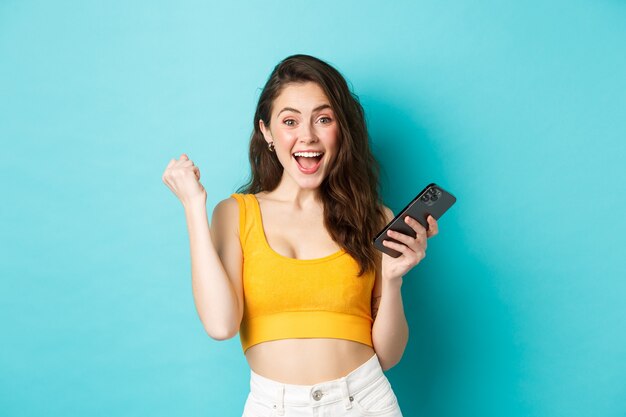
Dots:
{"x": 432, "y": 200}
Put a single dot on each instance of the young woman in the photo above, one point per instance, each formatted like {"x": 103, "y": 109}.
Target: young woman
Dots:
{"x": 288, "y": 261}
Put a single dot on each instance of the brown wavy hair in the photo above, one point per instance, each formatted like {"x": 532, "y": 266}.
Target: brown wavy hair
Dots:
{"x": 353, "y": 211}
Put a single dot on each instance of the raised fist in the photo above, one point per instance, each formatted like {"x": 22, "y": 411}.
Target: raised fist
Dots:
{"x": 183, "y": 178}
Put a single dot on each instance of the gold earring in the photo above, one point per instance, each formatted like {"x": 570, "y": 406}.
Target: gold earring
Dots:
{"x": 270, "y": 146}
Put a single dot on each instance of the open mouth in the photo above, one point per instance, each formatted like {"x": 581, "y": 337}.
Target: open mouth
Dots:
{"x": 308, "y": 164}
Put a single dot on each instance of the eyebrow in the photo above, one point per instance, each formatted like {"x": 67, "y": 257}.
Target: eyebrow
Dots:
{"x": 318, "y": 108}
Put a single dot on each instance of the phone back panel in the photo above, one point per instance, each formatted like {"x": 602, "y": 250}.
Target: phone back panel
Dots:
{"x": 432, "y": 200}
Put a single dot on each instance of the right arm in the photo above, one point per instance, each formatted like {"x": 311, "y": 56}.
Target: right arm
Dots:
{"x": 216, "y": 256}
{"x": 216, "y": 266}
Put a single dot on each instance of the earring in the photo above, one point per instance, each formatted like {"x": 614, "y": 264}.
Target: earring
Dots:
{"x": 270, "y": 146}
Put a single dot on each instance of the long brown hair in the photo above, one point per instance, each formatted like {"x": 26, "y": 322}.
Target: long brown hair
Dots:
{"x": 353, "y": 212}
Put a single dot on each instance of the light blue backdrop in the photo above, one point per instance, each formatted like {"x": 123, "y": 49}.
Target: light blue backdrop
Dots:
{"x": 518, "y": 108}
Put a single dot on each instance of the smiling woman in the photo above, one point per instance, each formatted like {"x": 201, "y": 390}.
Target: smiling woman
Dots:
{"x": 289, "y": 263}
{"x": 306, "y": 105}
{"x": 305, "y": 114}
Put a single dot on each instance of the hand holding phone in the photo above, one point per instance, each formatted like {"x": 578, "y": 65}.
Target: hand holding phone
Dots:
{"x": 432, "y": 200}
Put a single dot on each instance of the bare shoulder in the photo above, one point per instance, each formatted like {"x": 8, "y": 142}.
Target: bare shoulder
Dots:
{"x": 227, "y": 204}
{"x": 226, "y": 215}
{"x": 388, "y": 213}
{"x": 225, "y": 224}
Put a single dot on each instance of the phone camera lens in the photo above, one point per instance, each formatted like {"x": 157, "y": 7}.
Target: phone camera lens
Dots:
{"x": 425, "y": 198}
{"x": 434, "y": 198}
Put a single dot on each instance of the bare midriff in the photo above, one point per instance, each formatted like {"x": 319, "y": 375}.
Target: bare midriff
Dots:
{"x": 307, "y": 361}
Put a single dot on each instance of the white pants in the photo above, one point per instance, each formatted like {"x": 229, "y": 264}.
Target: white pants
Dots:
{"x": 365, "y": 391}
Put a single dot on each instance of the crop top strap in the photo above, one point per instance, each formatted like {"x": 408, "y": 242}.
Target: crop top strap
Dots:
{"x": 245, "y": 217}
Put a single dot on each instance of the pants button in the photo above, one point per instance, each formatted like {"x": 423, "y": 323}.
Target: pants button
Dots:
{"x": 317, "y": 395}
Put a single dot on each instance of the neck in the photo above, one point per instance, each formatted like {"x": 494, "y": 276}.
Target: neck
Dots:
{"x": 301, "y": 198}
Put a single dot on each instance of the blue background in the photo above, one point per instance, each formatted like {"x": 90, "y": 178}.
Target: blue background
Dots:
{"x": 518, "y": 108}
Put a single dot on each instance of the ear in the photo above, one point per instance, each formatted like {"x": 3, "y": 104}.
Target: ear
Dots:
{"x": 266, "y": 132}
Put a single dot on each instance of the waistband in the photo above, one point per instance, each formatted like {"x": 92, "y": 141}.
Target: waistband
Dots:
{"x": 300, "y": 324}
{"x": 340, "y": 389}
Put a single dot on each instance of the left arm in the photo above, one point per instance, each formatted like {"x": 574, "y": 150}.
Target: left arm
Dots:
{"x": 390, "y": 331}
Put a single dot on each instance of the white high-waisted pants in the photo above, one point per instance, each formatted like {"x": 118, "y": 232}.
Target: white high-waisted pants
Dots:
{"x": 363, "y": 392}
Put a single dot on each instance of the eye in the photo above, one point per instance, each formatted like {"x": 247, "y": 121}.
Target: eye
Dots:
{"x": 326, "y": 118}
{"x": 287, "y": 122}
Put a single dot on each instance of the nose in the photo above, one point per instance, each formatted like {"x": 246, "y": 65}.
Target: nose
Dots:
{"x": 307, "y": 133}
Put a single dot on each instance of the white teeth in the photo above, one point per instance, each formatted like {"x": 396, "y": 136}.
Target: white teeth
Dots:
{"x": 308, "y": 154}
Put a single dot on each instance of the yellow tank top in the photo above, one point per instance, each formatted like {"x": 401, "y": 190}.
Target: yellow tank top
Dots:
{"x": 294, "y": 298}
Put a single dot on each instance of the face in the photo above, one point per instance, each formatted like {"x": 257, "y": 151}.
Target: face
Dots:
{"x": 302, "y": 120}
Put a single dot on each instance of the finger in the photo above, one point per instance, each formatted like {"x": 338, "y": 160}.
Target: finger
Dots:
{"x": 413, "y": 257}
{"x": 172, "y": 162}
{"x": 197, "y": 172}
{"x": 433, "y": 227}
{"x": 401, "y": 237}
{"x": 416, "y": 244}
{"x": 397, "y": 246}
{"x": 186, "y": 163}
{"x": 415, "y": 225}
{"x": 184, "y": 156}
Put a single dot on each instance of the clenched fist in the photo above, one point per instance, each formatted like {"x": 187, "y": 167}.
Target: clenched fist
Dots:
{"x": 183, "y": 178}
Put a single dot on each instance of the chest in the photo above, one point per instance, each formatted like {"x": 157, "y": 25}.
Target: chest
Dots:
{"x": 297, "y": 235}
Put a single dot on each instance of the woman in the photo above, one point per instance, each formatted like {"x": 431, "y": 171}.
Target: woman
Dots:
{"x": 288, "y": 262}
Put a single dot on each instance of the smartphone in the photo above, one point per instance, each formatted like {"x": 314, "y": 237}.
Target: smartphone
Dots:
{"x": 432, "y": 200}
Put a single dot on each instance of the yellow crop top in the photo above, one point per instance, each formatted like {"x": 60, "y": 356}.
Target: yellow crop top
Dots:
{"x": 299, "y": 298}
